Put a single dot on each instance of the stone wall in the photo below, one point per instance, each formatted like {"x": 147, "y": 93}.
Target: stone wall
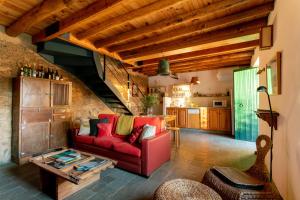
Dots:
{"x": 15, "y": 50}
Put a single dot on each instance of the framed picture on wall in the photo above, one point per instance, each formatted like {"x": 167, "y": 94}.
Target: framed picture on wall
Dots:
{"x": 274, "y": 75}
{"x": 266, "y": 37}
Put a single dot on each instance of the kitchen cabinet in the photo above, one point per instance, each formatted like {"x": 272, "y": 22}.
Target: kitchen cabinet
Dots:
{"x": 172, "y": 111}
{"x": 219, "y": 119}
{"x": 193, "y": 118}
{"x": 182, "y": 118}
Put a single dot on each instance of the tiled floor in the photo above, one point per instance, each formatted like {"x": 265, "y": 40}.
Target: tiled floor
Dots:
{"x": 198, "y": 151}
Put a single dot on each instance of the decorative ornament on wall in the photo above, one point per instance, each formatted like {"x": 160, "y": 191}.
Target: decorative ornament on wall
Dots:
{"x": 195, "y": 80}
{"x": 266, "y": 37}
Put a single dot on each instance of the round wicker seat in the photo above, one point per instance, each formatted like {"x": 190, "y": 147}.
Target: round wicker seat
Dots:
{"x": 184, "y": 189}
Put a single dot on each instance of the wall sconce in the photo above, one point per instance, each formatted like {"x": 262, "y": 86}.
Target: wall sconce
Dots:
{"x": 261, "y": 71}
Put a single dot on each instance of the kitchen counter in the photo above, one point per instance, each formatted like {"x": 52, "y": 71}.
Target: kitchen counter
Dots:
{"x": 207, "y": 118}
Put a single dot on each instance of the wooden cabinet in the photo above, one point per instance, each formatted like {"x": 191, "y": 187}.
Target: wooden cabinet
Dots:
{"x": 219, "y": 119}
{"x": 204, "y": 118}
{"x": 41, "y": 116}
{"x": 193, "y": 118}
{"x": 225, "y": 120}
{"x": 182, "y": 118}
{"x": 172, "y": 111}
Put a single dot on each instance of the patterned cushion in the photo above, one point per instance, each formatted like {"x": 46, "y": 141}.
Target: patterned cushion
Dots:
{"x": 84, "y": 127}
{"x": 134, "y": 136}
{"x": 153, "y": 121}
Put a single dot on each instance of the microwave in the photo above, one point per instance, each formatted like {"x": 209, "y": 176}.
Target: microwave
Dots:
{"x": 220, "y": 103}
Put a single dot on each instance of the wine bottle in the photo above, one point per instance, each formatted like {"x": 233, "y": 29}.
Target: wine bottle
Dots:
{"x": 21, "y": 71}
{"x": 33, "y": 70}
{"x": 42, "y": 72}
{"x": 47, "y": 73}
{"x": 61, "y": 78}
{"x": 56, "y": 75}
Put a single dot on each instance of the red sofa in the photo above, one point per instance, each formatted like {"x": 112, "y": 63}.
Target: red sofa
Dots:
{"x": 141, "y": 158}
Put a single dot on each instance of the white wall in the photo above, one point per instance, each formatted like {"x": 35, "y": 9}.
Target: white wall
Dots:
{"x": 286, "y": 161}
{"x": 211, "y": 82}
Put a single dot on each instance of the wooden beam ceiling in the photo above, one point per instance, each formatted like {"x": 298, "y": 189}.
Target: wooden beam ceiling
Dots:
{"x": 39, "y": 13}
{"x": 240, "y": 55}
{"x": 146, "y": 10}
{"x": 232, "y": 34}
{"x": 188, "y": 65}
{"x": 206, "y": 53}
{"x": 215, "y": 10}
{"x": 198, "y": 28}
{"x": 211, "y": 66}
{"x": 72, "y": 22}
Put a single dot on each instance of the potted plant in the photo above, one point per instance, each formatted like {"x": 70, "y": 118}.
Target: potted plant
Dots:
{"x": 149, "y": 101}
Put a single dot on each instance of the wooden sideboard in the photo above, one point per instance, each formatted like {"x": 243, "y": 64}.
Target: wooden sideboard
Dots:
{"x": 41, "y": 116}
{"x": 206, "y": 118}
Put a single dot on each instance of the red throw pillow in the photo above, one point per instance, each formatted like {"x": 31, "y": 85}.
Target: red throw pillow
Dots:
{"x": 134, "y": 136}
{"x": 104, "y": 129}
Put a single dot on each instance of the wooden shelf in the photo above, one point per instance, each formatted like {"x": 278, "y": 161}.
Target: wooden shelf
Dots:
{"x": 266, "y": 116}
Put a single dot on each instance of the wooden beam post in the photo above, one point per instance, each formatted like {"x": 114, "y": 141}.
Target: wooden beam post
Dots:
{"x": 37, "y": 14}
{"x": 110, "y": 23}
{"x": 219, "y": 9}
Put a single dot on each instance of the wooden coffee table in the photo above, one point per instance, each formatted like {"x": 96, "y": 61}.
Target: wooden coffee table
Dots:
{"x": 61, "y": 183}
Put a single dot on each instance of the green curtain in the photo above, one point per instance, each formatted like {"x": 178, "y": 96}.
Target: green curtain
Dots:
{"x": 245, "y": 103}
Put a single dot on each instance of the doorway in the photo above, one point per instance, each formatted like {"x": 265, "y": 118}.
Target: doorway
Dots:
{"x": 245, "y": 103}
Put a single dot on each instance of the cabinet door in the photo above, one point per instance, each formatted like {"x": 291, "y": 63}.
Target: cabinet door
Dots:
{"x": 35, "y": 138}
{"x": 225, "y": 120}
{"x": 182, "y": 117}
{"x": 61, "y": 93}
{"x": 213, "y": 120}
{"x": 193, "y": 118}
{"x": 35, "y": 92}
{"x": 58, "y": 134}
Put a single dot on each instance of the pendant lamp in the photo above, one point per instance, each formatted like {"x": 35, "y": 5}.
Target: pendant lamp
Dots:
{"x": 163, "y": 68}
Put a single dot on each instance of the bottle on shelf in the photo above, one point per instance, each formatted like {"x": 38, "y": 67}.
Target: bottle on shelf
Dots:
{"x": 56, "y": 75}
{"x": 33, "y": 70}
{"x": 21, "y": 71}
{"x": 42, "y": 72}
{"x": 61, "y": 78}
{"x": 48, "y": 74}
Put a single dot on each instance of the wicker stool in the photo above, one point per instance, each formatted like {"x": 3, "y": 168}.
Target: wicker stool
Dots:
{"x": 258, "y": 170}
{"x": 183, "y": 189}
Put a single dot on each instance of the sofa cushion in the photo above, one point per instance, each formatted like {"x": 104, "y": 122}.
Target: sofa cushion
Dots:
{"x": 104, "y": 129}
{"x": 113, "y": 118}
{"x": 86, "y": 139}
{"x": 153, "y": 121}
{"x": 124, "y": 125}
{"x": 148, "y": 132}
{"x": 84, "y": 127}
{"x": 134, "y": 136}
{"x": 124, "y": 147}
{"x": 93, "y": 126}
{"x": 107, "y": 141}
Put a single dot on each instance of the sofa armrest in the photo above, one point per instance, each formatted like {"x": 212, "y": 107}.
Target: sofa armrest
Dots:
{"x": 155, "y": 152}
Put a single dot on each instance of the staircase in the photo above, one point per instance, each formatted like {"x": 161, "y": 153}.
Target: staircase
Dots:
{"x": 106, "y": 77}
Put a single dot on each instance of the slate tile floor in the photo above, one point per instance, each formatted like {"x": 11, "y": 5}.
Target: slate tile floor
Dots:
{"x": 198, "y": 152}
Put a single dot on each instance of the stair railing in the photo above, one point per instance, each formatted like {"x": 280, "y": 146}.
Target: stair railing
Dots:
{"x": 116, "y": 73}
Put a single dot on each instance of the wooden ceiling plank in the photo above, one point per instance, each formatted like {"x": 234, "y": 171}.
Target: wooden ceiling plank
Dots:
{"x": 185, "y": 44}
{"x": 72, "y": 22}
{"x": 110, "y": 23}
{"x": 203, "y": 27}
{"x": 205, "y": 60}
{"x": 209, "y": 12}
{"x": 37, "y": 14}
{"x": 203, "y": 63}
{"x": 232, "y": 48}
{"x": 206, "y": 67}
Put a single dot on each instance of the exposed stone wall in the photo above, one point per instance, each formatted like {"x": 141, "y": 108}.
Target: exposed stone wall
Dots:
{"x": 15, "y": 50}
